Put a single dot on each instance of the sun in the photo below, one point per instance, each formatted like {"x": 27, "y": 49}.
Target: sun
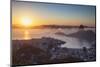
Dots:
{"x": 26, "y": 21}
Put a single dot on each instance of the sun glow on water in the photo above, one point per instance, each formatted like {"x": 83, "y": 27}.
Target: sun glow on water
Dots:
{"x": 26, "y": 35}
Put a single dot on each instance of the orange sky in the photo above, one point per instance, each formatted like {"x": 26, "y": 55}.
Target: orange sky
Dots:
{"x": 46, "y": 14}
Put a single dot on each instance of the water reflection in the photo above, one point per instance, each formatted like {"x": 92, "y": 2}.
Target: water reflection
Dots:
{"x": 26, "y": 35}
{"x": 71, "y": 42}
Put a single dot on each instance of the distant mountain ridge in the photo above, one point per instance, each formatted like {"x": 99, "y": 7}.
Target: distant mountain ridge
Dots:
{"x": 51, "y": 26}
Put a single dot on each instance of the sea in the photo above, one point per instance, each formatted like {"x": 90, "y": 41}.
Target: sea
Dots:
{"x": 71, "y": 42}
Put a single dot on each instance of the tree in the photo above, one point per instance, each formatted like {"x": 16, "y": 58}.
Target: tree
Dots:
{"x": 81, "y": 27}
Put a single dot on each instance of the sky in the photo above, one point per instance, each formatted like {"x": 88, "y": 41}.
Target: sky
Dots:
{"x": 51, "y": 13}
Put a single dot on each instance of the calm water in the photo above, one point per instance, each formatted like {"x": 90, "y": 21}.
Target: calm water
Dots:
{"x": 20, "y": 34}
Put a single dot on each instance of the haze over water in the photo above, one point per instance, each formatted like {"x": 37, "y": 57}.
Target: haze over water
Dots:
{"x": 21, "y": 34}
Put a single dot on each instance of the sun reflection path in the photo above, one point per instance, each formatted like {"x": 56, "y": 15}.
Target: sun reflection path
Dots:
{"x": 26, "y": 35}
